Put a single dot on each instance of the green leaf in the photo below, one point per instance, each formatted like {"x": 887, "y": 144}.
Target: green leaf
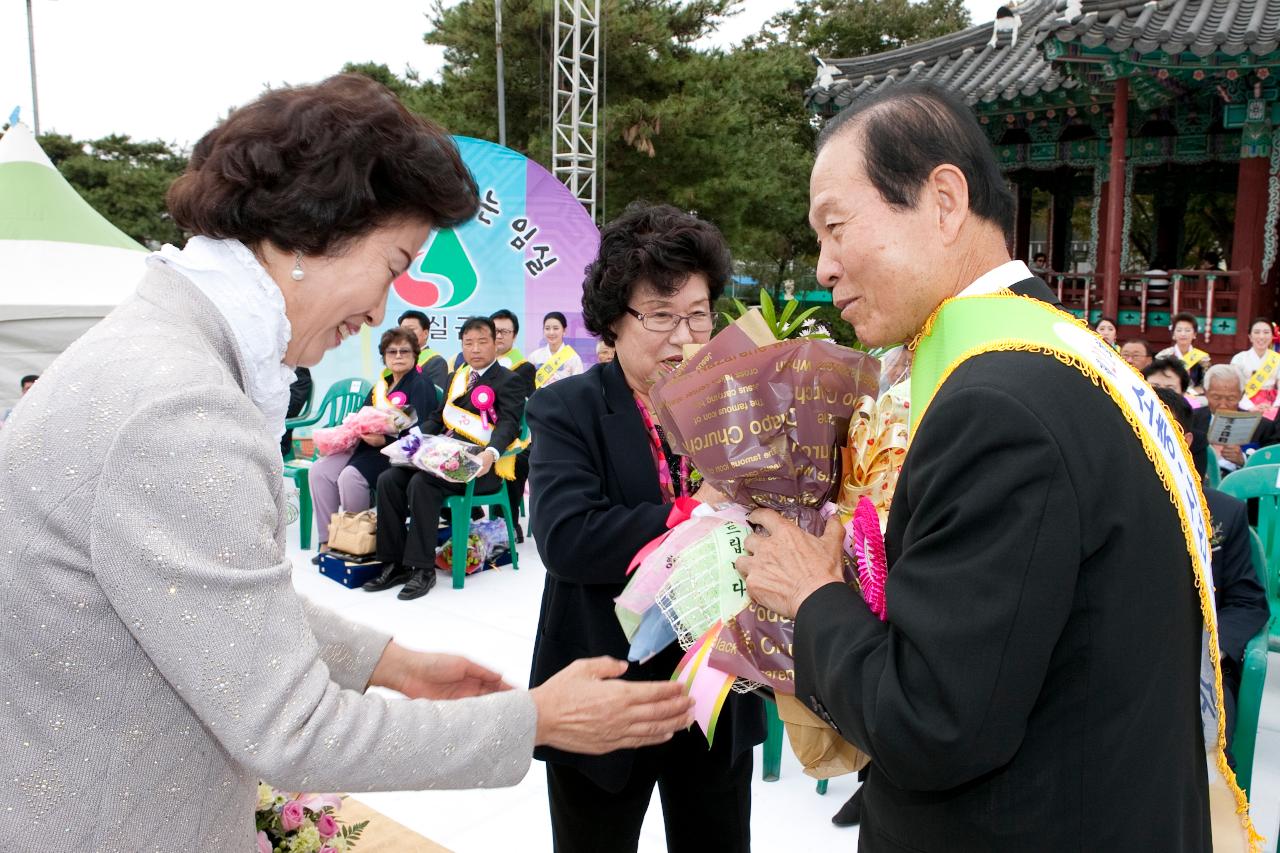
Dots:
{"x": 790, "y": 309}
{"x": 766, "y": 309}
{"x": 742, "y": 308}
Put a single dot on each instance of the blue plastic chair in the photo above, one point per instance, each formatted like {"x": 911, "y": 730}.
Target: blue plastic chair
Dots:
{"x": 1212, "y": 468}
{"x": 1264, "y": 456}
{"x": 343, "y": 397}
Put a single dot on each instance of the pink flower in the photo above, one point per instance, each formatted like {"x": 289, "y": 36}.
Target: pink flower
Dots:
{"x": 292, "y": 815}
{"x": 318, "y": 802}
{"x": 327, "y": 849}
{"x": 264, "y": 843}
{"x": 326, "y": 826}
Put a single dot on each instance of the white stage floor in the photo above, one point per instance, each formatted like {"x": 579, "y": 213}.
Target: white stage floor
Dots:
{"x": 492, "y": 620}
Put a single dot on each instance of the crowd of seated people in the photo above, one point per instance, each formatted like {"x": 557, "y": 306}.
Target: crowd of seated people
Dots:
{"x": 408, "y": 501}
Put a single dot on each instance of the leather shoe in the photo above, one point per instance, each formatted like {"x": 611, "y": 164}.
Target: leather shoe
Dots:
{"x": 850, "y": 813}
{"x": 393, "y": 575}
{"x": 419, "y": 585}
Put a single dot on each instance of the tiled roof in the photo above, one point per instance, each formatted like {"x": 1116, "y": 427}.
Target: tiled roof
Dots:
{"x": 965, "y": 62}
{"x": 1173, "y": 26}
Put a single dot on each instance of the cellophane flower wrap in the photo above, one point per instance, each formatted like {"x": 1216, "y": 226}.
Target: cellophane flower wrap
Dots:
{"x": 302, "y": 823}
{"x": 764, "y": 422}
{"x": 385, "y": 419}
{"x": 445, "y": 457}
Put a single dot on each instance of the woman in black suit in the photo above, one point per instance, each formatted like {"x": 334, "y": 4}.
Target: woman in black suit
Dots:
{"x": 603, "y": 479}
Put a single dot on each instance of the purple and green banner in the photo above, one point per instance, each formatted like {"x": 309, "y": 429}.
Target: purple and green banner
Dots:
{"x": 525, "y": 250}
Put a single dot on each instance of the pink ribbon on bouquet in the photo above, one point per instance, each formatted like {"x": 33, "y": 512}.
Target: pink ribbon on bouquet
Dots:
{"x": 681, "y": 511}
{"x": 863, "y": 532}
{"x": 482, "y": 398}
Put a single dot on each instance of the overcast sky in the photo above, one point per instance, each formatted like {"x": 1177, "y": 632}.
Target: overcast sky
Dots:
{"x": 169, "y": 69}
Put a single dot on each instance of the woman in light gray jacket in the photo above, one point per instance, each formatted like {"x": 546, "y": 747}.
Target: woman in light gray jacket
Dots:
{"x": 156, "y": 661}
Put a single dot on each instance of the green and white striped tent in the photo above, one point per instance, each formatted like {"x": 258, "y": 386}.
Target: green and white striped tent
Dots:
{"x": 62, "y": 265}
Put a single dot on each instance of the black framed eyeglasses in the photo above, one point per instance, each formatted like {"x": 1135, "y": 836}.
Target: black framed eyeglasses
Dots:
{"x": 667, "y": 321}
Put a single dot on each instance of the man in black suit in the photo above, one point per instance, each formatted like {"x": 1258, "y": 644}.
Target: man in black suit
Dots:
{"x": 407, "y": 493}
{"x": 1238, "y": 592}
{"x": 1035, "y": 685}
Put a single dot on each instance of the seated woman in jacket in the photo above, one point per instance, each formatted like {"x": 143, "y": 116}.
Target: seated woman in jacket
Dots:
{"x": 345, "y": 480}
{"x": 603, "y": 481}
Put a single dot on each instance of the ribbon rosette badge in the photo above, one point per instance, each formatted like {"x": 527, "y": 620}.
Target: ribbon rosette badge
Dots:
{"x": 482, "y": 398}
{"x": 397, "y": 399}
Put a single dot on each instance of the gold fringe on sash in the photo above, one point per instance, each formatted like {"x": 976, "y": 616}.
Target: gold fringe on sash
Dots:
{"x": 1208, "y": 610}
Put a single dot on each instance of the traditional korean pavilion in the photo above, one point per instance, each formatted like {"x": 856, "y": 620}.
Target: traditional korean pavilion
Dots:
{"x": 1142, "y": 140}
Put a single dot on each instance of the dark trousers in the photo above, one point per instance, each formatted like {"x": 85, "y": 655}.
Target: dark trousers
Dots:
{"x": 706, "y": 801}
{"x": 407, "y": 493}
{"x": 515, "y": 488}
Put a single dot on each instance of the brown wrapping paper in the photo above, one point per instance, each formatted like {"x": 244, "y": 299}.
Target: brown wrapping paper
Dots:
{"x": 765, "y": 425}
{"x": 824, "y": 754}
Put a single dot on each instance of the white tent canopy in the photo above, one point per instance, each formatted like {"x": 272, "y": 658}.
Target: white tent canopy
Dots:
{"x": 62, "y": 265}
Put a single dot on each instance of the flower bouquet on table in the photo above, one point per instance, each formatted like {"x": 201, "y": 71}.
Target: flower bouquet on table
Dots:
{"x": 302, "y": 823}
{"x": 445, "y": 457}
{"x": 390, "y": 414}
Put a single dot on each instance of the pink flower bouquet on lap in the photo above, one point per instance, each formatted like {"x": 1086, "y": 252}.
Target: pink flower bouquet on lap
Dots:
{"x": 389, "y": 415}
{"x": 302, "y": 823}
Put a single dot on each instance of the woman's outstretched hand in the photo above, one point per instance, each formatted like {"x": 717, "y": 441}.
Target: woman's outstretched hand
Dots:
{"x": 586, "y": 708}
{"x": 425, "y": 675}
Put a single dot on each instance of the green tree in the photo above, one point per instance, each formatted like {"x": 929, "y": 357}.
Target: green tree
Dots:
{"x": 843, "y": 29}
{"x": 123, "y": 179}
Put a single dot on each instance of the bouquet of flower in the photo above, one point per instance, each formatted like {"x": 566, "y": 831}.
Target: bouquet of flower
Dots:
{"x": 302, "y": 823}
{"x": 380, "y": 419}
{"x": 445, "y": 457}
{"x": 486, "y": 541}
{"x": 764, "y": 420}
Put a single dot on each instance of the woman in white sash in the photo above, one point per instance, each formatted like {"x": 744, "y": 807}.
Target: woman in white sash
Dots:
{"x": 1259, "y": 365}
{"x": 557, "y": 359}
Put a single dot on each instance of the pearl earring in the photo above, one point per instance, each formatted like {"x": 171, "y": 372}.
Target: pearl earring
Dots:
{"x": 297, "y": 273}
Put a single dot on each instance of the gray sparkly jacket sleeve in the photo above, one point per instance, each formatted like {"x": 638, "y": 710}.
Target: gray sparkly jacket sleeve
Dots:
{"x": 188, "y": 549}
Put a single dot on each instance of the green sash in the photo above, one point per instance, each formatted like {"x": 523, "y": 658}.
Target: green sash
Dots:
{"x": 964, "y": 327}
{"x": 548, "y": 370}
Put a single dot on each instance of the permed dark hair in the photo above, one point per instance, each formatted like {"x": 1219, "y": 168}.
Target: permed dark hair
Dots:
{"x": 658, "y": 245}
{"x": 507, "y": 314}
{"x": 311, "y": 168}
{"x": 395, "y": 333}
{"x": 1184, "y": 317}
{"x": 1160, "y": 365}
{"x": 910, "y": 129}
{"x": 478, "y": 323}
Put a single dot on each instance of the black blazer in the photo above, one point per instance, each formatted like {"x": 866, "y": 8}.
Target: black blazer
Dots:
{"x": 509, "y": 401}
{"x": 1035, "y": 685}
{"x": 596, "y": 502}
{"x": 1241, "y": 599}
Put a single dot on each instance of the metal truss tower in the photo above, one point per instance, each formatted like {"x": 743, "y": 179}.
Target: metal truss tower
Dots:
{"x": 575, "y": 76}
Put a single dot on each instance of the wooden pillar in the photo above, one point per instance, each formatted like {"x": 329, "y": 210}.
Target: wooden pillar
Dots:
{"x": 1060, "y": 222}
{"x": 1248, "y": 238}
{"x": 1115, "y": 199}
{"x": 1022, "y": 224}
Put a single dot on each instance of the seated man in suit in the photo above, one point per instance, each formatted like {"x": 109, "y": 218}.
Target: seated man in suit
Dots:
{"x": 1237, "y": 589}
{"x": 1169, "y": 373}
{"x": 407, "y": 493}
